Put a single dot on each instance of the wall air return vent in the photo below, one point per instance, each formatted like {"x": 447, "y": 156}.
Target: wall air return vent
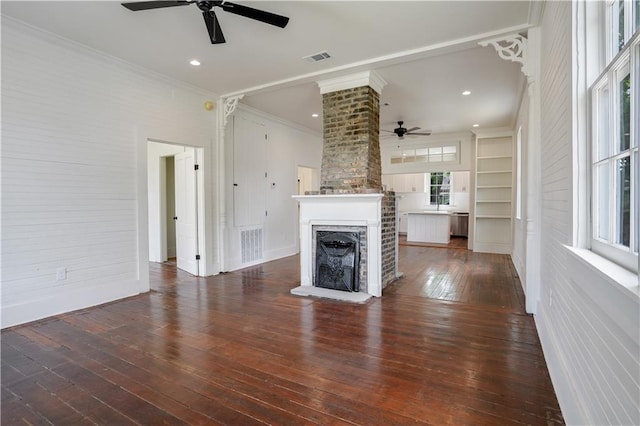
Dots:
{"x": 251, "y": 245}
{"x": 317, "y": 57}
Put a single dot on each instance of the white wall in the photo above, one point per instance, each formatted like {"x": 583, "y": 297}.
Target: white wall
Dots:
{"x": 288, "y": 147}
{"x": 587, "y": 322}
{"x": 75, "y": 125}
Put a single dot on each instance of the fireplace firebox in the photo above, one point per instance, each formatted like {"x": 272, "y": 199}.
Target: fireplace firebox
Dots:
{"x": 337, "y": 260}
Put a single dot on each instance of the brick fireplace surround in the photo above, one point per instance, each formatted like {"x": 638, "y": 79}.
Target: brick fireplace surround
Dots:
{"x": 351, "y": 195}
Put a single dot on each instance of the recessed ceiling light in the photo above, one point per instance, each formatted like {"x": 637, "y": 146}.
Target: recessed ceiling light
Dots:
{"x": 195, "y": 62}
{"x": 466, "y": 93}
{"x": 314, "y": 115}
{"x": 476, "y": 125}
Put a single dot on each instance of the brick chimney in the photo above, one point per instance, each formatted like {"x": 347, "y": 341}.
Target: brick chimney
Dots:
{"x": 351, "y": 120}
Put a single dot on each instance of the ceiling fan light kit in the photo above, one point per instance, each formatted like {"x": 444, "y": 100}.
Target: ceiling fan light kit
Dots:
{"x": 211, "y": 21}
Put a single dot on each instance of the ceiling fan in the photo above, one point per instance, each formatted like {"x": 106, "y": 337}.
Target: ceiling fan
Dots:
{"x": 403, "y": 131}
{"x": 213, "y": 26}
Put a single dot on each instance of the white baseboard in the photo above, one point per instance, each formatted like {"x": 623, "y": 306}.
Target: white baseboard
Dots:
{"x": 60, "y": 301}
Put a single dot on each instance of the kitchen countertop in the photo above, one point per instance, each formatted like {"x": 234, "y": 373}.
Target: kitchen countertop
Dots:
{"x": 428, "y": 212}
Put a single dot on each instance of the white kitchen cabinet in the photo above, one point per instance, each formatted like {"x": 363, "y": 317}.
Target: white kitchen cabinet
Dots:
{"x": 406, "y": 182}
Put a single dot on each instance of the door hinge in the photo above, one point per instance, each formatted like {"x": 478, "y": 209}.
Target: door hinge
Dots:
{"x": 196, "y": 167}
{"x": 197, "y": 257}
{"x": 265, "y": 137}
{"x": 266, "y": 213}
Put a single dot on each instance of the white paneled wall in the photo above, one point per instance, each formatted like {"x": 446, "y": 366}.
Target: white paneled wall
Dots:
{"x": 288, "y": 147}
{"x": 588, "y": 324}
{"x": 75, "y": 125}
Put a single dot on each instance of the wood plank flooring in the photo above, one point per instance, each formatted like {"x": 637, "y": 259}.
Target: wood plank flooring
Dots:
{"x": 447, "y": 344}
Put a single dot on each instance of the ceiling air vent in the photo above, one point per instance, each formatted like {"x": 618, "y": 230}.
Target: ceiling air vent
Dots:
{"x": 317, "y": 57}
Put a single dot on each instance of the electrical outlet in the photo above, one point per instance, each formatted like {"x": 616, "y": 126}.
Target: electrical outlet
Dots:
{"x": 61, "y": 274}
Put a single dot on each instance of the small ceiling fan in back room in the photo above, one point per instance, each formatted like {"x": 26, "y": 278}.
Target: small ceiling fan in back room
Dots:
{"x": 401, "y": 132}
{"x": 210, "y": 19}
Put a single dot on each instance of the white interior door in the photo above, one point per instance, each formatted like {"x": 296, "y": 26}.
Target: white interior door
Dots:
{"x": 186, "y": 214}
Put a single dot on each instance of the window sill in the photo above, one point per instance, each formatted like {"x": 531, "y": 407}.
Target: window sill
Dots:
{"x": 623, "y": 279}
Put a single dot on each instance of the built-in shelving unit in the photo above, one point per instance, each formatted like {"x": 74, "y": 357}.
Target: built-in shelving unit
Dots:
{"x": 493, "y": 194}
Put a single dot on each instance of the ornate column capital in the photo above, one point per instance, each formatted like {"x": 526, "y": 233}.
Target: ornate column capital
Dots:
{"x": 229, "y": 106}
{"x": 512, "y": 48}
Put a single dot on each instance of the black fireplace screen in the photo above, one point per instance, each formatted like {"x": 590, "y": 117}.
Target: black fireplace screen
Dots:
{"x": 337, "y": 260}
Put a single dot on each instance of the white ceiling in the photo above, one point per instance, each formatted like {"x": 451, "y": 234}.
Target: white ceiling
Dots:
{"x": 426, "y": 51}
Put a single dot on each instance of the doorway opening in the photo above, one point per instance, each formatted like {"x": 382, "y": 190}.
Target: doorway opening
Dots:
{"x": 308, "y": 179}
{"x": 173, "y": 176}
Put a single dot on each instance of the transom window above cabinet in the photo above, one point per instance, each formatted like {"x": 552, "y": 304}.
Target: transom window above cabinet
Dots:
{"x": 438, "y": 154}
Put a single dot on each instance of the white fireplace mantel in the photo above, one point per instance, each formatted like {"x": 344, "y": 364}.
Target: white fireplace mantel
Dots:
{"x": 342, "y": 210}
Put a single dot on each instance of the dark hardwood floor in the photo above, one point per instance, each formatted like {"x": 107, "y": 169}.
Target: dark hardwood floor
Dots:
{"x": 447, "y": 344}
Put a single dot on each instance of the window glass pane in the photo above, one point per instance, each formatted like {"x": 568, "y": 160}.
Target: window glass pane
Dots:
{"x": 449, "y": 153}
{"x": 439, "y": 188}
{"x": 625, "y": 113}
{"x": 422, "y": 155}
{"x": 620, "y": 24}
{"x": 623, "y": 201}
{"x": 603, "y": 123}
{"x": 603, "y": 204}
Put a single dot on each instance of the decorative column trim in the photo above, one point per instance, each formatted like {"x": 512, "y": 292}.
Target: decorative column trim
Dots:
{"x": 230, "y": 105}
{"x": 365, "y": 78}
{"x": 514, "y": 48}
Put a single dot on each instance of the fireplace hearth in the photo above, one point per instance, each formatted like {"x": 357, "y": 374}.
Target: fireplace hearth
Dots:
{"x": 337, "y": 260}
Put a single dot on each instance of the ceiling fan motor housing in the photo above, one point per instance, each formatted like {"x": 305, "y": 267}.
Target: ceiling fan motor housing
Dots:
{"x": 205, "y": 6}
{"x": 400, "y": 131}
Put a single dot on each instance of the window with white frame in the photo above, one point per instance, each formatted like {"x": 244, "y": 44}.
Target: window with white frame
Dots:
{"x": 439, "y": 186}
{"x": 615, "y": 100}
{"x": 448, "y": 153}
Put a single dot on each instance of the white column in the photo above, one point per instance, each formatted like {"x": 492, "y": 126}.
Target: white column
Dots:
{"x": 526, "y": 51}
{"x": 534, "y": 177}
{"x": 228, "y": 106}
